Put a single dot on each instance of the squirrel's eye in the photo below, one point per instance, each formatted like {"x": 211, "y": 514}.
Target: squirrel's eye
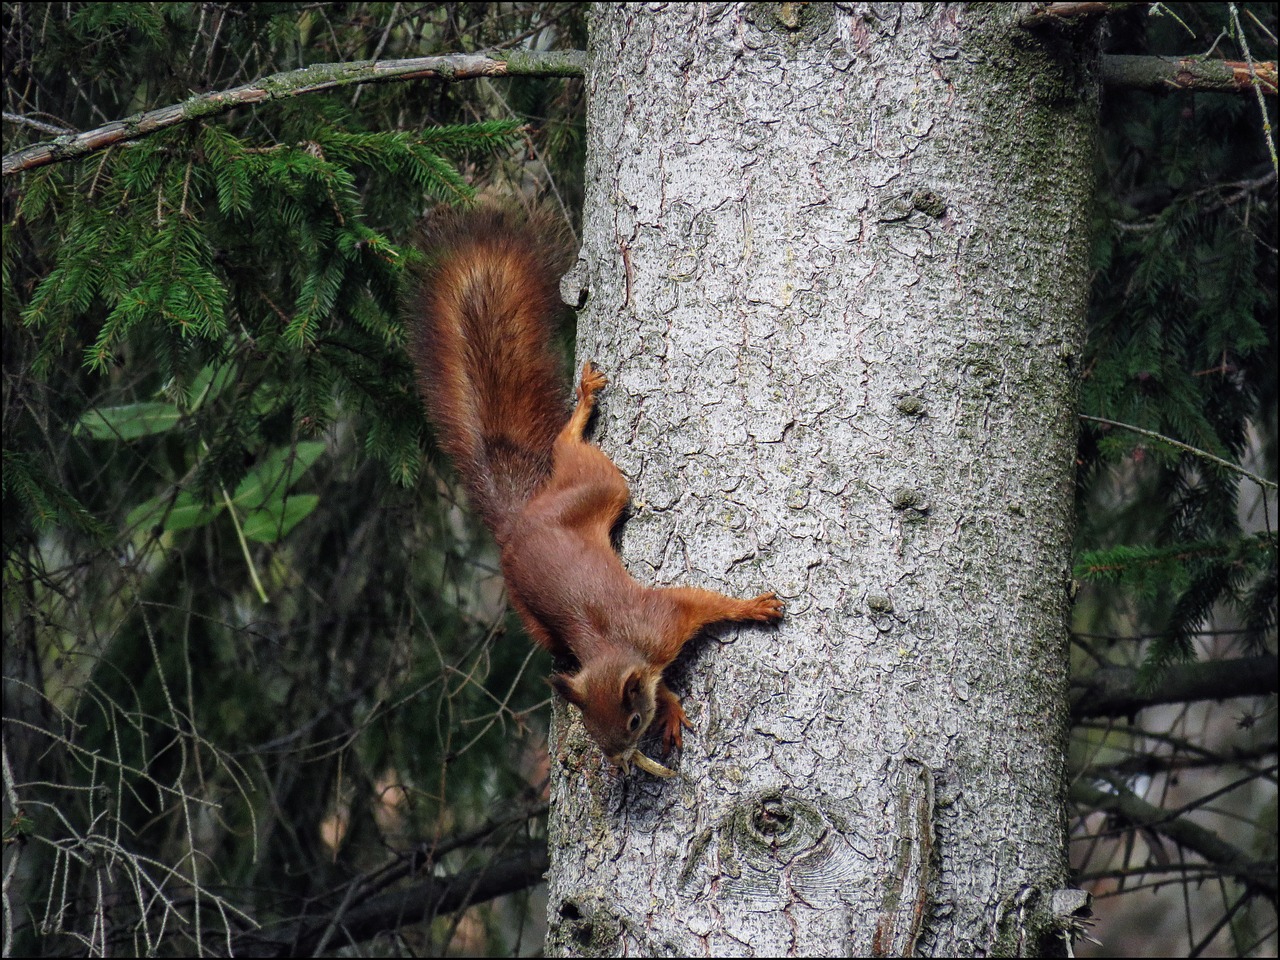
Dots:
{"x": 634, "y": 722}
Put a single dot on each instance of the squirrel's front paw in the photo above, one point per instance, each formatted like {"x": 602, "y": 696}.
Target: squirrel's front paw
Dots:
{"x": 766, "y": 607}
{"x": 671, "y": 720}
{"x": 592, "y": 380}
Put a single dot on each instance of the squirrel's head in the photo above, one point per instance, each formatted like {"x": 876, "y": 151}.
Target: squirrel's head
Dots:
{"x": 617, "y": 698}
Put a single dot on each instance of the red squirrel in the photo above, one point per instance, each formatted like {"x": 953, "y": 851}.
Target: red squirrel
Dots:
{"x": 490, "y": 379}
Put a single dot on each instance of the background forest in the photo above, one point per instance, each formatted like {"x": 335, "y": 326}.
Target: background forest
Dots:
{"x": 261, "y": 692}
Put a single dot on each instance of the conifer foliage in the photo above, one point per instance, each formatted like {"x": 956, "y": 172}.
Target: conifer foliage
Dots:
{"x": 249, "y": 645}
{"x": 256, "y": 693}
{"x": 1182, "y": 346}
{"x": 1174, "y": 750}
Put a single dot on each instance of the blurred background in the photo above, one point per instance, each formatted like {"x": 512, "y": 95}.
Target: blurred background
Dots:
{"x": 261, "y": 690}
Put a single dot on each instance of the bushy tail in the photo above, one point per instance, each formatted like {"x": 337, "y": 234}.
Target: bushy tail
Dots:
{"x": 482, "y": 343}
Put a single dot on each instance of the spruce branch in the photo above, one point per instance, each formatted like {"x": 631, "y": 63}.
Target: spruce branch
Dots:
{"x": 1150, "y": 73}
{"x": 1195, "y": 451}
{"x": 1163, "y": 74}
{"x": 293, "y": 83}
{"x": 1046, "y": 13}
{"x": 1119, "y": 692}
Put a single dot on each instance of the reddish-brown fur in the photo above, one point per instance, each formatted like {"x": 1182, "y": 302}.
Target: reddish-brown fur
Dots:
{"x": 491, "y": 384}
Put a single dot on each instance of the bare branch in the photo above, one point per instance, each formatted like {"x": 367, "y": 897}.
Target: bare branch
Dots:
{"x": 278, "y": 86}
{"x": 42, "y": 126}
{"x": 1188, "y": 73}
{"x": 1058, "y": 12}
{"x": 1150, "y": 764}
{"x": 1203, "y": 454}
{"x": 1160, "y": 73}
{"x": 1149, "y": 73}
{"x": 1123, "y": 803}
{"x": 1114, "y": 691}
{"x": 426, "y": 899}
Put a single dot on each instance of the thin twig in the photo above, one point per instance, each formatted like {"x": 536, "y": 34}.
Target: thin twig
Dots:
{"x": 1196, "y": 451}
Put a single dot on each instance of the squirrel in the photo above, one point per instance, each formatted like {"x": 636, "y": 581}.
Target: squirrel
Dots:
{"x": 482, "y": 333}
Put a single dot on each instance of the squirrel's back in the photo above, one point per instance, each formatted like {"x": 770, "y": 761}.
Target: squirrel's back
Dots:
{"x": 482, "y": 344}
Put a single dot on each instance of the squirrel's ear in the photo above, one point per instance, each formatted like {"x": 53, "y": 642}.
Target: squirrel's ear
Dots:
{"x": 631, "y": 688}
{"x": 562, "y": 684}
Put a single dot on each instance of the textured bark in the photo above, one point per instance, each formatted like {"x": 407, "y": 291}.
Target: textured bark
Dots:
{"x": 835, "y": 266}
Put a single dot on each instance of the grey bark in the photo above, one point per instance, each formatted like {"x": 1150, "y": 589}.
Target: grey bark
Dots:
{"x": 835, "y": 266}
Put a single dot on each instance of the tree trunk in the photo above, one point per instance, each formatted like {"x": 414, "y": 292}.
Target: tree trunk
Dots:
{"x": 835, "y": 263}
